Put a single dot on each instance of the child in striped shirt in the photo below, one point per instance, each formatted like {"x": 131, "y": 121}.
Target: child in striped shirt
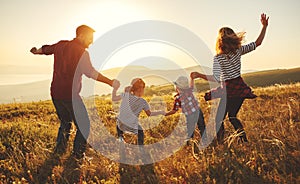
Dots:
{"x": 132, "y": 105}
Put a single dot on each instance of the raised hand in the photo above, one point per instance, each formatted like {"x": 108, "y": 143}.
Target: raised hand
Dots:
{"x": 264, "y": 20}
{"x": 116, "y": 84}
{"x": 33, "y": 50}
{"x": 194, "y": 75}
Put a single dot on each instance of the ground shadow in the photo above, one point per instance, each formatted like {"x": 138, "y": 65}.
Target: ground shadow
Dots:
{"x": 230, "y": 170}
{"x": 44, "y": 172}
{"x": 143, "y": 173}
{"x": 137, "y": 174}
{"x": 71, "y": 173}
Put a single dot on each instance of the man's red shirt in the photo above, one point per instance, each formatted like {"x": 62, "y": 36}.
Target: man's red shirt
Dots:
{"x": 69, "y": 56}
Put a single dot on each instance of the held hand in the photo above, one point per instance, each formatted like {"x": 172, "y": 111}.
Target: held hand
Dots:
{"x": 116, "y": 84}
{"x": 194, "y": 75}
{"x": 33, "y": 50}
{"x": 264, "y": 20}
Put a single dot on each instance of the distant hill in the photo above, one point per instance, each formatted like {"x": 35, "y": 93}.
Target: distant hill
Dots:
{"x": 159, "y": 80}
{"x": 253, "y": 79}
{"x": 12, "y": 69}
{"x": 270, "y": 77}
{"x": 34, "y": 91}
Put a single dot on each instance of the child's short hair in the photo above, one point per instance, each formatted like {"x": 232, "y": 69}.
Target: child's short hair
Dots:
{"x": 137, "y": 83}
{"x": 182, "y": 82}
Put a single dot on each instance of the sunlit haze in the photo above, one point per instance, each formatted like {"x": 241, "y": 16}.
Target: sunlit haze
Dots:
{"x": 25, "y": 24}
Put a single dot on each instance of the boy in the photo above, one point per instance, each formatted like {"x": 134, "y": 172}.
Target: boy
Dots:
{"x": 186, "y": 100}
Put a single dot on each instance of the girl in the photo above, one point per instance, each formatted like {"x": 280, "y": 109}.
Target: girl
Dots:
{"x": 131, "y": 106}
{"x": 227, "y": 70}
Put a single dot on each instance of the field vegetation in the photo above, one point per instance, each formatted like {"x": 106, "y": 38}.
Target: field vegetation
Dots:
{"x": 272, "y": 123}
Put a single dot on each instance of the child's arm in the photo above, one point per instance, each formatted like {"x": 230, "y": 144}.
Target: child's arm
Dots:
{"x": 173, "y": 111}
{"x": 176, "y": 106}
{"x": 155, "y": 113}
{"x": 195, "y": 75}
{"x": 192, "y": 82}
{"x": 114, "y": 95}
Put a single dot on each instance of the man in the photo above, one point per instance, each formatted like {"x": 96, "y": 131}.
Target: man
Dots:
{"x": 71, "y": 61}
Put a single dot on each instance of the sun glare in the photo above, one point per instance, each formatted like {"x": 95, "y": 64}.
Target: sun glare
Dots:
{"x": 106, "y": 15}
{"x": 153, "y": 55}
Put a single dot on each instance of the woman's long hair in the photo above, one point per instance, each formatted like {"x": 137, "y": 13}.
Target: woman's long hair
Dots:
{"x": 228, "y": 41}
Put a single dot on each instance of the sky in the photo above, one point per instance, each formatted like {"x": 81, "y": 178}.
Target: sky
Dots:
{"x": 25, "y": 24}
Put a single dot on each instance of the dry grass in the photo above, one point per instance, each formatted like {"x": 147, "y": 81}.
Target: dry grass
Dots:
{"x": 28, "y": 133}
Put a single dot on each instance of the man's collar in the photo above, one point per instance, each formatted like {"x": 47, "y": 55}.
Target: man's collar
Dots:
{"x": 76, "y": 40}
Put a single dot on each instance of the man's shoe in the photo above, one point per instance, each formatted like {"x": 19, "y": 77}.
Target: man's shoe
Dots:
{"x": 77, "y": 155}
{"x": 59, "y": 149}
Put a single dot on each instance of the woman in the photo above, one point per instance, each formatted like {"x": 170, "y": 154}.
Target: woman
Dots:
{"x": 227, "y": 71}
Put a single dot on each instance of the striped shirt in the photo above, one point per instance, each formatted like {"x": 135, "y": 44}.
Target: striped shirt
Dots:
{"x": 228, "y": 66}
{"x": 130, "y": 109}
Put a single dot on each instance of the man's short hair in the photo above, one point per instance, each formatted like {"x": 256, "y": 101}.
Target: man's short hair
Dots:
{"x": 83, "y": 29}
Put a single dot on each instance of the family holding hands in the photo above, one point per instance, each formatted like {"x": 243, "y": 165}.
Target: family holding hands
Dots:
{"x": 71, "y": 61}
{"x": 133, "y": 104}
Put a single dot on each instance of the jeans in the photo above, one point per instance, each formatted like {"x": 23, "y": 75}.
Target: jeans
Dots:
{"x": 140, "y": 134}
{"x": 191, "y": 120}
{"x": 67, "y": 112}
{"x": 232, "y": 108}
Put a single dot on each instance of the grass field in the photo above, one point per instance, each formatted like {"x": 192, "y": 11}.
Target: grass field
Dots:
{"x": 271, "y": 121}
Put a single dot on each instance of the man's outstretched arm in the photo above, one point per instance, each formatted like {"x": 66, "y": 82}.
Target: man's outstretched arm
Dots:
{"x": 112, "y": 82}
{"x": 34, "y": 50}
{"x": 45, "y": 49}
